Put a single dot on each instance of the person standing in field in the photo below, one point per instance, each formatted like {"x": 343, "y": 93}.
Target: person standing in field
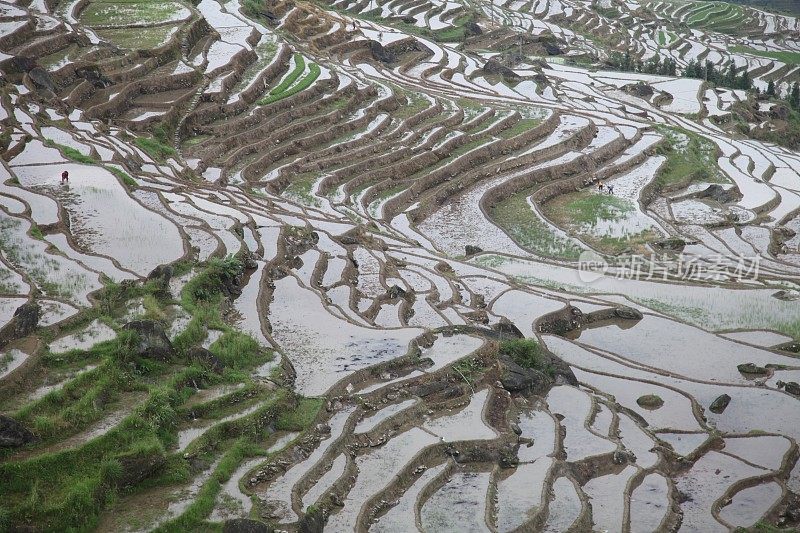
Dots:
{"x": 64, "y": 177}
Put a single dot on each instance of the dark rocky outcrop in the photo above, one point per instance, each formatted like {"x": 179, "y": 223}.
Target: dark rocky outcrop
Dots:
{"x": 245, "y": 525}
{"x": 791, "y": 347}
{"x": 395, "y": 291}
{"x": 562, "y": 322}
{"x": 206, "y": 359}
{"x": 162, "y": 274}
{"x": 41, "y": 79}
{"x": 380, "y": 53}
{"x": 13, "y": 434}
{"x": 493, "y": 66}
{"x": 515, "y": 378}
{"x": 138, "y": 466}
{"x": 93, "y": 75}
{"x": 152, "y": 340}
{"x": 720, "y": 194}
{"x": 642, "y": 90}
{"x": 752, "y": 368}
{"x": 471, "y": 249}
{"x": 792, "y": 387}
{"x": 507, "y": 329}
{"x": 673, "y": 244}
{"x": 312, "y": 522}
{"x": 22, "y": 324}
{"x": 720, "y": 403}
{"x": 472, "y": 29}
{"x": 650, "y": 401}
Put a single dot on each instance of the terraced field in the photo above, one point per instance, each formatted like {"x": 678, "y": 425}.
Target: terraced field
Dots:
{"x": 356, "y": 266}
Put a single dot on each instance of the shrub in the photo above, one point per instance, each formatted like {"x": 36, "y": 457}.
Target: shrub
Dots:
{"x": 525, "y": 352}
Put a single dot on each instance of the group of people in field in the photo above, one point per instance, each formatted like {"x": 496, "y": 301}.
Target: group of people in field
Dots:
{"x": 603, "y": 187}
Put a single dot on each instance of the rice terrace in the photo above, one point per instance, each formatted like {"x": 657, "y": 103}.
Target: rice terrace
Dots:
{"x": 399, "y": 265}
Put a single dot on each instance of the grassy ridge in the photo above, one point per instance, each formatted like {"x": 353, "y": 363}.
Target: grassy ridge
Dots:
{"x": 67, "y": 489}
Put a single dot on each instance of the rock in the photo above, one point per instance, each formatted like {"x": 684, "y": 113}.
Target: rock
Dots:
{"x": 779, "y": 112}
{"x": 137, "y": 467}
{"x": 719, "y": 193}
{"x": 791, "y": 347}
{"x": 720, "y": 403}
{"x": 13, "y": 434}
{"x": 752, "y": 368}
{"x": 93, "y": 75}
{"x": 480, "y": 316}
{"x": 792, "y": 387}
{"x": 515, "y": 378}
{"x": 161, "y": 274}
{"x": 507, "y": 329}
{"x": 674, "y": 244}
{"x": 41, "y": 79}
{"x": 24, "y": 322}
{"x": 312, "y": 522}
{"x": 471, "y": 249}
{"x": 563, "y": 321}
{"x": 248, "y": 260}
{"x": 380, "y": 53}
{"x": 433, "y": 387}
{"x": 493, "y": 66}
{"x": 552, "y": 49}
{"x": 208, "y": 360}
{"x": 245, "y": 525}
{"x": 444, "y": 268}
{"x": 787, "y": 295}
{"x": 395, "y": 291}
{"x": 642, "y": 90}
{"x": 472, "y": 29}
{"x": 628, "y": 313}
{"x": 621, "y": 458}
{"x": 153, "y": 341}
{"x": 650, "y": 401}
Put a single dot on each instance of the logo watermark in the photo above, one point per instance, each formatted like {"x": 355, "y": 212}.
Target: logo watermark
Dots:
{"x": 716, "y": 267}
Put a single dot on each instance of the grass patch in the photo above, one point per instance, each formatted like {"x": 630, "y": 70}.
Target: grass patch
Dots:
{"x": 519, "y": 128}
{"x": 154, "y": 148}
{"x": 71, "y": 153}
{"x": 790, "y": 58}
{"x": 523, "y": 225}
{"x": 300, "y": 189}
{"x": 301, "y": 417}
{"x": 690, "y": 158}
{"x": 284, "y": 90}
{"x": 128, "y": 181}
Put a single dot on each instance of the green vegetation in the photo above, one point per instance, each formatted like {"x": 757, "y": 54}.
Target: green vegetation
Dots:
{"x": 300, "y": 188}
{"x": 128, "y": 12}
{"x": 517, "y": 217}
{"x": 583, "y": 211}
{"x": 128, "y": 181}
{"x": 790, "y": 58}
{"x": 313, "y": 73}
{"x": 519, "y": 128}
{"x": 154, "y": 148}
{"x": 65, "y": 488}
{"x": 289, "y": 79}
{"x": 665, "y": 37}
{"x": 145, "y": 38}
{"x": 416, "y": 104}
{"x": 589, "y": 208}
{"x": 71, "y": 153}
{"x": 526, "y": 353}
{"x": 689, "y": 158}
